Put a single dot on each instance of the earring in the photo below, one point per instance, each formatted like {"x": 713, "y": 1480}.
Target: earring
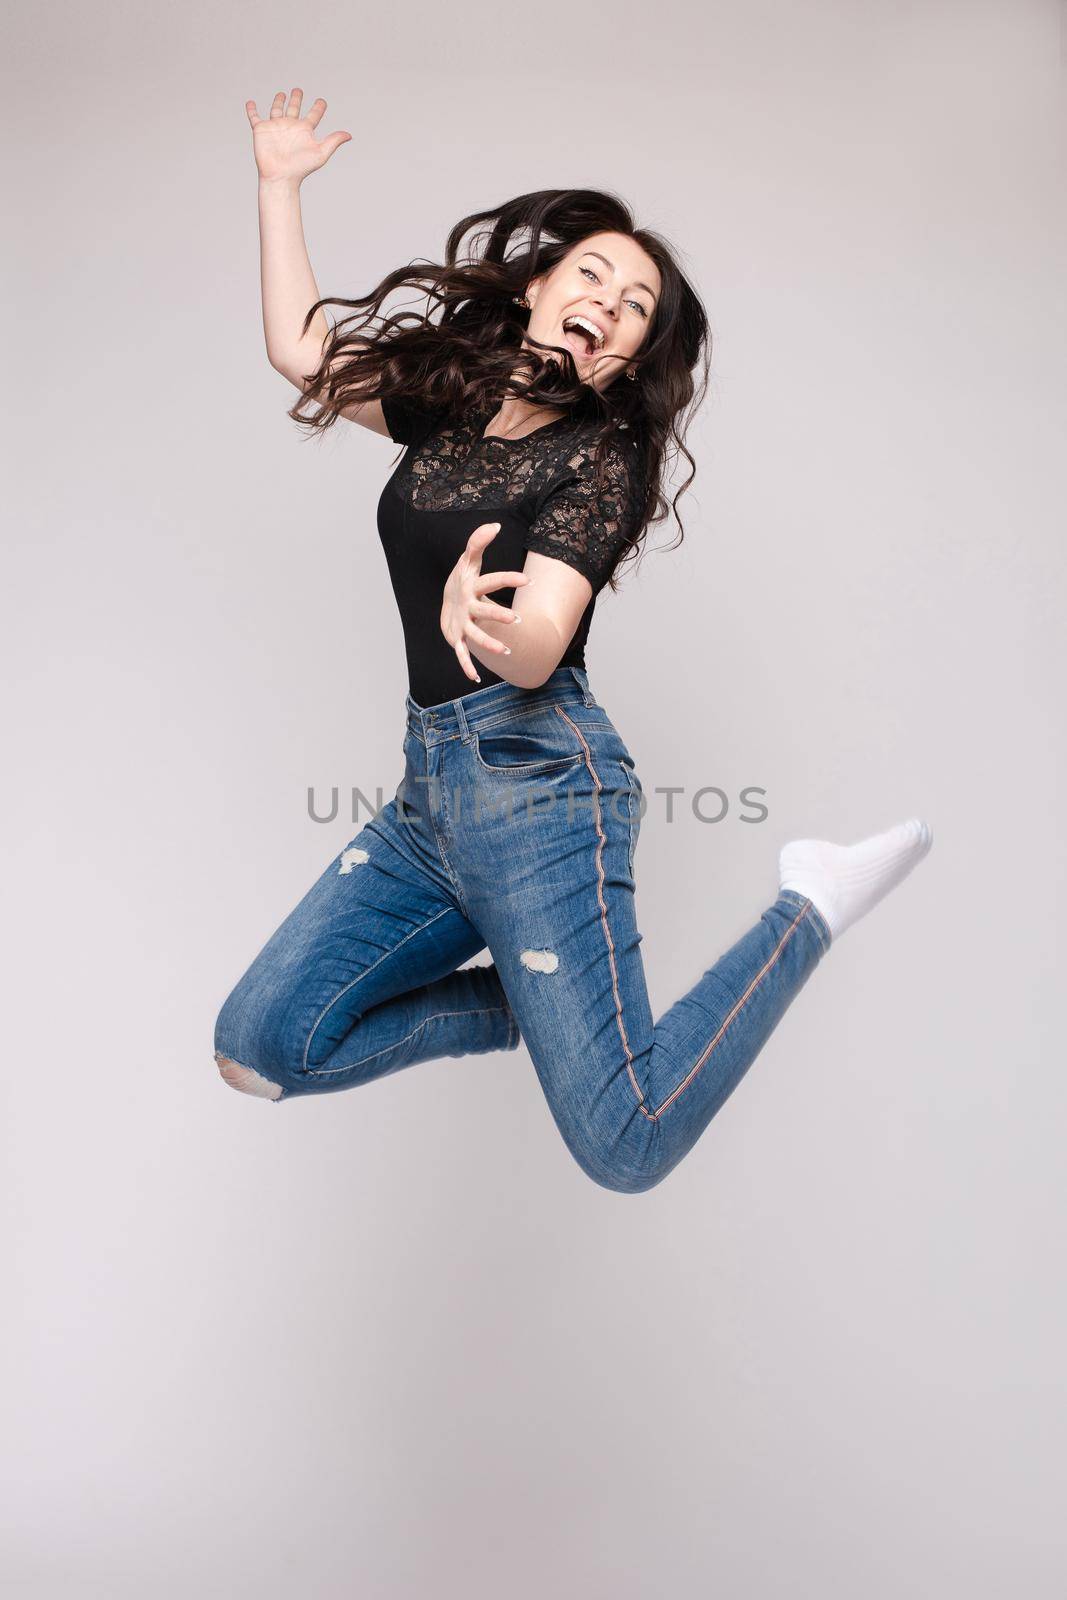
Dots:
{"x": 521, "y": 300}
{"x": 631, "y": 373}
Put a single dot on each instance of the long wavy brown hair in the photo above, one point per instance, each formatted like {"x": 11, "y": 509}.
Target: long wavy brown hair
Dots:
{"x": 465, "y": 348}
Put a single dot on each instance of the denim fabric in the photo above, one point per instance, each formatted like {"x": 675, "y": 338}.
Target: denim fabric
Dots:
{"x": 514, "y": 829}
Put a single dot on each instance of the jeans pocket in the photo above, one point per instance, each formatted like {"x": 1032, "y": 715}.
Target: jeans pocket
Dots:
{"x": 528, "y": 746}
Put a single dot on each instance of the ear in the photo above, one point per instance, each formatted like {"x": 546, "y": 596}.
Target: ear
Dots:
{"x": 533, "y": 289}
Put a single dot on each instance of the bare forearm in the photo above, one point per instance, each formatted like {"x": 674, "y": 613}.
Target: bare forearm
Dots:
{"x": 536, "y": 648}
{"x": 287, "y": 281}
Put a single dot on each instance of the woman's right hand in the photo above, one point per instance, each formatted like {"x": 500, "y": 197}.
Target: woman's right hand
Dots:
{"x": 284, "y": 144}
{"x": 464, "y": 599}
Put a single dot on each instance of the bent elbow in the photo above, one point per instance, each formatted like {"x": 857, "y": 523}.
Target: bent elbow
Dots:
{"x": 535, "y": 679}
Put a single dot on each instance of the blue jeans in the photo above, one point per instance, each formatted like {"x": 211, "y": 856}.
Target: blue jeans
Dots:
{"x": 514, "y": 828}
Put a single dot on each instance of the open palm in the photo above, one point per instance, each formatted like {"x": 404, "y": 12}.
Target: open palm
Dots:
{"x": 284, "y": 144}
{"x": 464, "y": 599}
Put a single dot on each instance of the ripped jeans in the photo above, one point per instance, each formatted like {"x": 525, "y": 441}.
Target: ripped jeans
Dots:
{"x": 514, "y": 829}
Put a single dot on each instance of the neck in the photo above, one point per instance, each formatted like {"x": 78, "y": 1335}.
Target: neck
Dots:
{"x": 517, "y": 416}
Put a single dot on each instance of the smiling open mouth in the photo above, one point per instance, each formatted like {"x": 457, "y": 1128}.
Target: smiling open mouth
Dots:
{"x": 582, "y": 336}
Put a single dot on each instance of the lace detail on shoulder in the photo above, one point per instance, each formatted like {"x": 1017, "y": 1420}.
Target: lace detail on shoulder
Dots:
{"x": 551, "y": 472}
{"x": 586, "y": 525}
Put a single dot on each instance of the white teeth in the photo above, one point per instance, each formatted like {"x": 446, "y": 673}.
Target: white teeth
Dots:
{"x": 590, "y": 328}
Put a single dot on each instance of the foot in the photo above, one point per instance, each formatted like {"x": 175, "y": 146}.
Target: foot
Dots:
{"x": 845, "y": 881}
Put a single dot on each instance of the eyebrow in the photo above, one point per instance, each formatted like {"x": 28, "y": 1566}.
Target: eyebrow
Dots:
{"x": 611, "y": 266}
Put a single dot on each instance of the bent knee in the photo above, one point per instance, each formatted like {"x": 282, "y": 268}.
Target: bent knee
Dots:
{"x": 624, "y": 1182}
{"x": 607, "y": 1171}
{"x": 246, "y": 1079}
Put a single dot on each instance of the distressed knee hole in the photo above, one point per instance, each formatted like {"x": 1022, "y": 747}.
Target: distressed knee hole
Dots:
{"x": 352, "y": 857}
{"x": 246, "y": 1080}
{"x": 539, "y": 960}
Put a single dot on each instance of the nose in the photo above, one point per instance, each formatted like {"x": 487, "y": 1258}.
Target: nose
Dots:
{"x": 608, "y": 305}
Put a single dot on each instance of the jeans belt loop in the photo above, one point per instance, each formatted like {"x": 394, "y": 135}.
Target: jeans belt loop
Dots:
{"x": 461, "y": 718}
{"x": 582, "y": 681}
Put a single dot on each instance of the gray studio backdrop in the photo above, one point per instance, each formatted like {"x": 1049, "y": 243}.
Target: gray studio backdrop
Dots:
{"x": 392, "y": 1343}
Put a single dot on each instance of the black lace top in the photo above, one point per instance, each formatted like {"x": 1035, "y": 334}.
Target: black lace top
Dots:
{"x": 542, "y": 490}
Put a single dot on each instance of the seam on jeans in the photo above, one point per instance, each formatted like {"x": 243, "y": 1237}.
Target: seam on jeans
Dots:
{"x": 328, "y": 1072}
{"x": 525, "y": 709}
{"x": 601, "y": 840}
{"x": 385, "y": 956}
{"x": 815, "y": 916}
{"x": 441, "y": 856}
{"x": 756, "y": 981}
{"x": 552, "y": 766}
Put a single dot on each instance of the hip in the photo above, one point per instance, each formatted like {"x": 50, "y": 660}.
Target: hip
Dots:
{"x": 528, "y": 774}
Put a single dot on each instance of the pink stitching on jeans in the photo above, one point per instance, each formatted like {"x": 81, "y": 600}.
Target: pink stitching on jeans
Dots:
{"x": 601, "y": 841}
{"x": 767, "y": 965}
{"x": 654, "y": 1116}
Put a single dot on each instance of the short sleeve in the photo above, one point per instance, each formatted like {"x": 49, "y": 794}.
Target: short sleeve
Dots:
{"x": 587, "y": 526}
{"x": 406, "y": 420}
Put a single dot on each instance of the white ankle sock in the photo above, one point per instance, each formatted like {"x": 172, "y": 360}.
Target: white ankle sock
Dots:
{"x": 844, "y": 881}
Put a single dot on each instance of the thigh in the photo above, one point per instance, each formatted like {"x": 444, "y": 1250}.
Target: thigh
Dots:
{"x": 556, "y": 904}
{"x": 379, "y": 921}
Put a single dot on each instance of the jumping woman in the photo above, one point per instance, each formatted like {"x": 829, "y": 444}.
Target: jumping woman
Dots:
{"x": 539, "y": 400}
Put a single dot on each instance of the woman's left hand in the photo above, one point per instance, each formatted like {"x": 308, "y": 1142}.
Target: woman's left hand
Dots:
{"x": 463, "y": 602}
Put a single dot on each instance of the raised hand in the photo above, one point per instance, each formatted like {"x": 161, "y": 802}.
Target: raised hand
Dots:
{"x": 462, "y": 600}
{"x": 284, "y": 144}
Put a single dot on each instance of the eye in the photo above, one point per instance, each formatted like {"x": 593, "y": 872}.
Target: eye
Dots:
{"x": 637, "y": 304}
